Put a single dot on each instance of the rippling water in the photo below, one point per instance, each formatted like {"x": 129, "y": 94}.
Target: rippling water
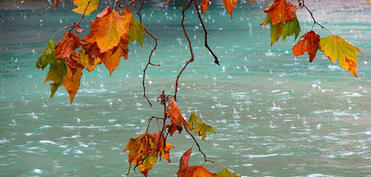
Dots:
{"x": 275, "y": 114}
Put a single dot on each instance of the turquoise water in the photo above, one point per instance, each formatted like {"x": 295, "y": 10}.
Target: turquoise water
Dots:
{"x": 275, "y": 114}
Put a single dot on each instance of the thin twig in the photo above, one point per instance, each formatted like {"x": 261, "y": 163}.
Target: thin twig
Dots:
{"x": 216, "y": 61}
{"x": 198, "y": 145}
{"x": 190, "y": 50}
{"x": 44, "y": 10}
{"x": 314, "y": 20}
{"x": 82, "y": 17}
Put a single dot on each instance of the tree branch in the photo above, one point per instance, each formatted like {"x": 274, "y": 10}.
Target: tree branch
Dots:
{"x": 216, "y": 61}
{"x": 190, "y": 50}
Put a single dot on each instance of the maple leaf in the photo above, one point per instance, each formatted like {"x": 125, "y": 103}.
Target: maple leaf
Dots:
{"x": 309, "y": 43}
{"x": 199, "y": 126}
{"x": 57, "y": 68}
{"x": 83, "y": 4}
{"x": 204, "y": 5}
{"x": 229, "y": 5}
{"x": 136, "y": 32}
{"x": 290, "y": 27}
{"x": 162, "y": 148}
{"x": 72, "y": 82}
{"x": 90, "y": 63}
{"x": 192, "y": 171}
{"x": 280, "y": 11}
{"x": 228, "y": 173}
{"x": 108, "y": 28}
{"x": 176, "y": 118}
{"x": 66, "y": 47}
{"x": 111, "y": 58}
{"x": 144, "y": 151}
{"x": 336, "y": 48}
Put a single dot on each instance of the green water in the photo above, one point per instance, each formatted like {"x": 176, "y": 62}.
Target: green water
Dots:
{"x": 274, "y": 114}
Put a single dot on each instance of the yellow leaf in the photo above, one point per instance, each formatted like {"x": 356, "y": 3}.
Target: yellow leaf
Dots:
{"x": 90, "y": 63}
{"x": 81, "y": 6}
{"x": 336, "y": 48}
{"x": 368, "y": 1}
{"x": 108, "y": 28}
{"x": 199, "y": 126}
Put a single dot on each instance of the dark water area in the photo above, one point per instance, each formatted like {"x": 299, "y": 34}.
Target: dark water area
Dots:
{"x": 275, "y": 114}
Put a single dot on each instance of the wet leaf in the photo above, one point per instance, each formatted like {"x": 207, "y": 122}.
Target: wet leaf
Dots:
{"x": 72, "y": 82}
{"x": 197, "y": 171}
{"x": 280, "y": 11}
{"x": 66, "y": 47}
{"x": 176, "y": 118}
{"x": 336, "y": 48}
{"x": 90, "y": 63}
{"x": 57, "y": 68}
{"x": 184, "y": 160}
{"x": 112, "y": 58}
{"x": 81, "y": 6}
{"x": 291, "y": 27}
{"x": 115, "y": 26}
{"x": 204, "y": 5}
{"x": 309, "y": 43}
{"x": 199, "y": 126}
{"x": 160, "y": 148}
{"x": 229, "y": 5}
{"x": 136, "y": 32}
{"x": 144, "y": 151}
{"x": 228, "y": 173}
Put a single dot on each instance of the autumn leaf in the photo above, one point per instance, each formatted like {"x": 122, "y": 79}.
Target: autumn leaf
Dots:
{"x": 108, "y": 28}
{"x": 144, "y": 151}
{"x": 160, "y": 148}
{"x": 83, "y": 4}
{"x": 291, "y": 27}
{"x": 280, "y": 11}
{"x": 57, "y": 68}
{"x": 72, "y": 82}
{"x": 199, "y": 126}
{"x": 111, "y": 58}
{"x": 176, "y": 118}
{"x": 309, "y": 43}
{"x": 197, "y": 171}
{"x": 204, "y": 5}
{"x": 184, "y": 160}
{"x": 136, "y": 32}
{"x": 229, "y": 5}
{"x": 90, "y": 63}
{"x": 336, "y": 48}
{"x": 66, "y": 47}
{"x": 228, "y": 173}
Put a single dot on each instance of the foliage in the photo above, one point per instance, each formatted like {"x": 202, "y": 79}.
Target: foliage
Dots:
{"x": 115, "y": 28}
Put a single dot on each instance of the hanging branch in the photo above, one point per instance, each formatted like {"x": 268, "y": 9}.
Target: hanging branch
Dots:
{"x": 301, "y": 5}
{"x": 190, "y": 50}
{"x": 216, "y": 61}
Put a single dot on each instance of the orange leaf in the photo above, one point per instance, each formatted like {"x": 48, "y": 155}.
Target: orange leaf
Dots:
{"x": 111, "y": 58}
{"x": 183, "y": 164}
{"x": 281, "y": 11}
{"x": 197, "y": 171}
{"x": 108, "y": 28}
{"x": 229, "y": 5}
{"x": 309, "y": 43}
{"x": 144, "y": 150}
{"x": 66, "y": 47}
{"x": 204, "y": 5}
{"x": 176, "y": 117}
{"x": 72, "y": 82}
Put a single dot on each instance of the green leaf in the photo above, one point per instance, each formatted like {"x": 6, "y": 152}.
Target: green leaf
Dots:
{"x": 199, "y": 126}
{"x": 136, "y": 32}
{"x": 57, "y": 68}
{"x": 291, "y": 27}
{"x": 228, "y": 173}
{"x": 47, "y": 56}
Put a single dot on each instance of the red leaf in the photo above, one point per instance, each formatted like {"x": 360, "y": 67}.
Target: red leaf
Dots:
{"x": 66, "y": 47}
{"x": 309, "y": 43}
{"x": 183, "y": 164}
{"x": 176, "y": 118}
{"x": 281, "y": 11}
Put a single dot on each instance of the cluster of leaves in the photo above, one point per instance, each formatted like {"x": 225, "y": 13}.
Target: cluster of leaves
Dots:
{"x": 145, "y": 149}
{"x": 114, "y": 29}
{"x": 107, "y": 42}
{"x": 281, "y": 16}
